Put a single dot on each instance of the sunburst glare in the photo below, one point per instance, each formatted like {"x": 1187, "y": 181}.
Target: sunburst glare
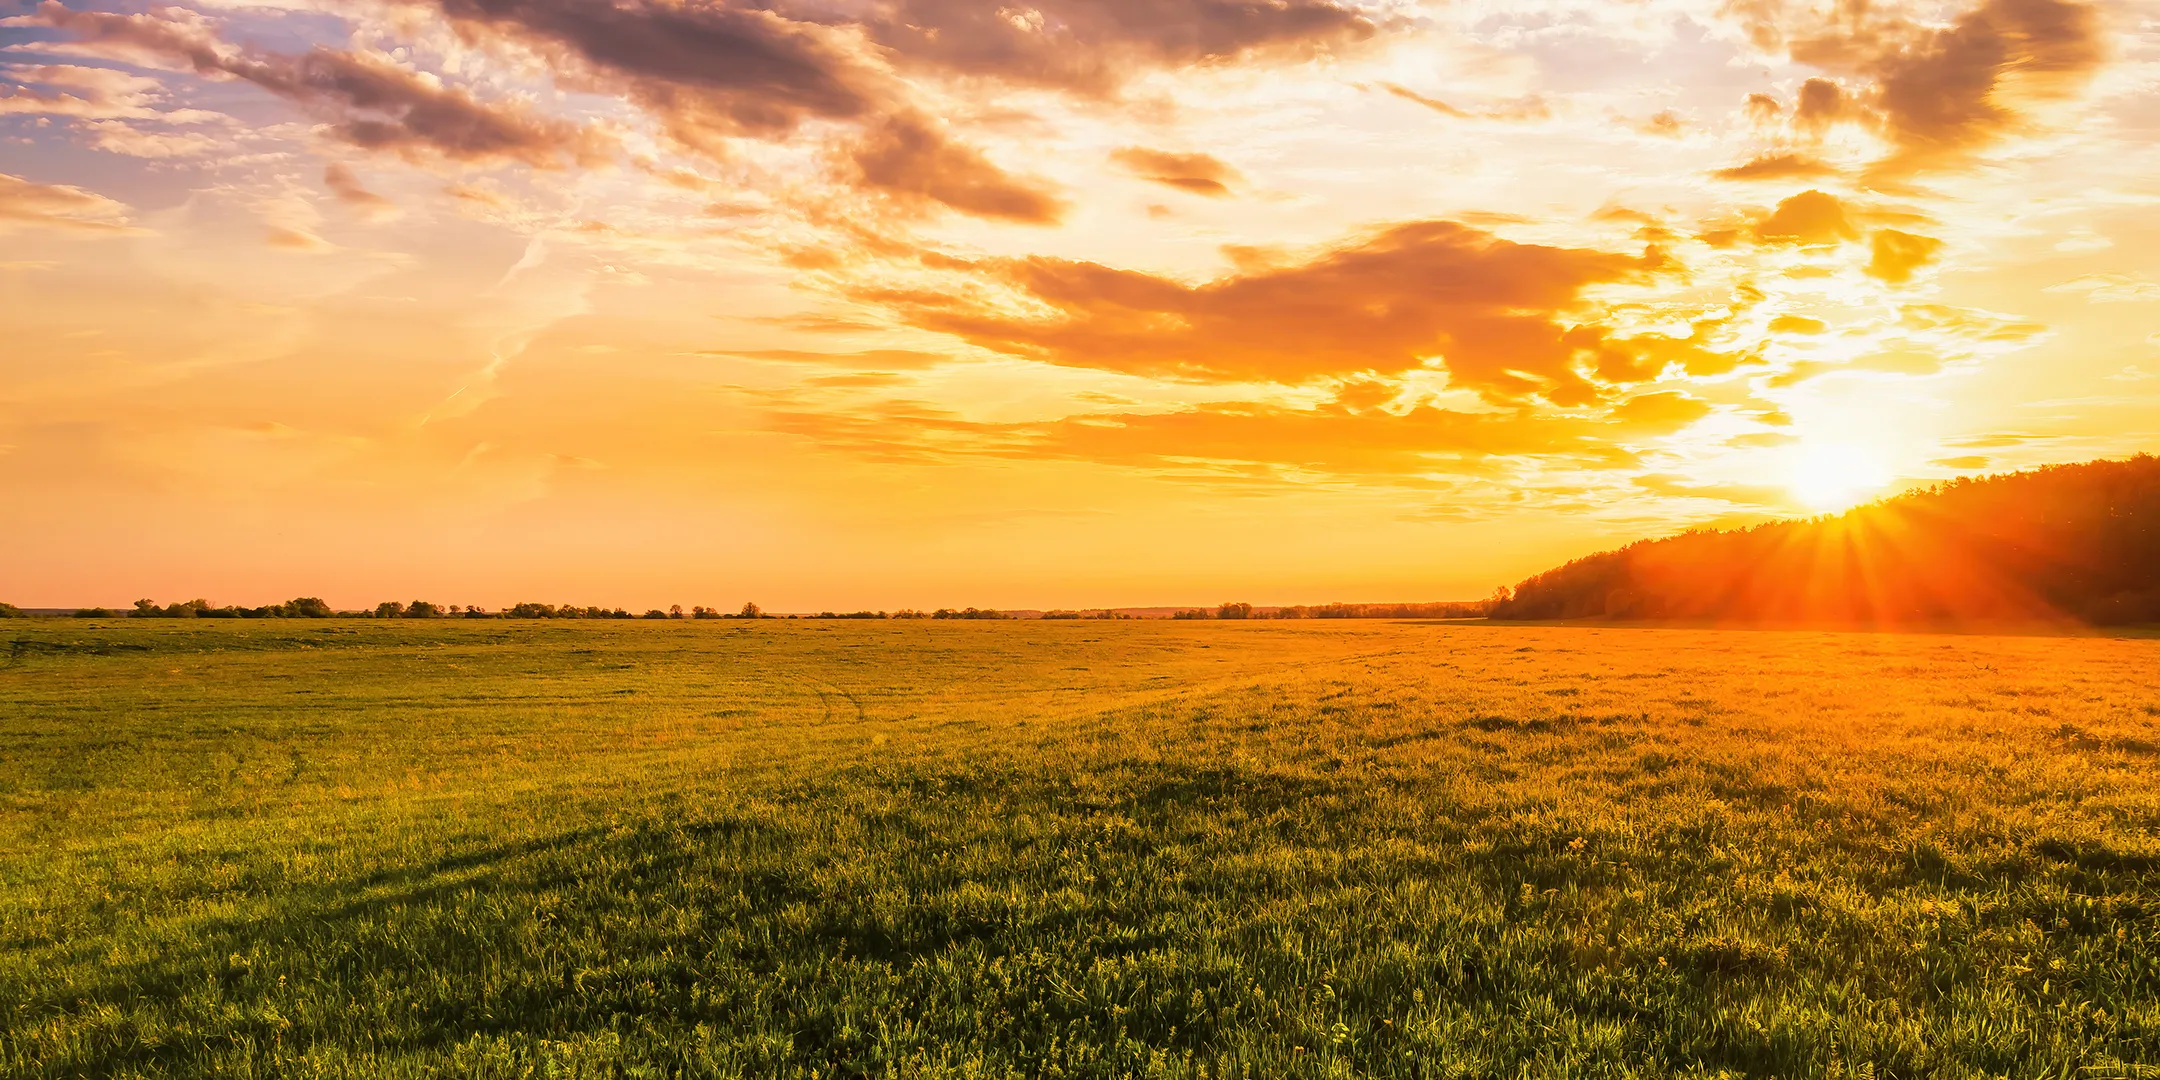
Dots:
{"x": 1835, "y": 476}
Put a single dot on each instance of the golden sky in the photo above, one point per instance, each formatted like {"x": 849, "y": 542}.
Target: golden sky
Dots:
{"x": 879, "y": 303}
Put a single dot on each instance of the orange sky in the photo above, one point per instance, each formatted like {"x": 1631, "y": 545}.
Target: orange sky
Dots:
{"x": 882, "y": 303}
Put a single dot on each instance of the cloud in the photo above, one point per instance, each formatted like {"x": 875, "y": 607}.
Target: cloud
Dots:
{"x": 349, "y": 190}
{"x": 1939, "y": 92}
{"x": 1964, "y": 463}
{"x": 1506, "y": 319}
{"x": 86, "y": 93}
{"x": 58, "y": 206}
{"x": 1810, "y": 219}
{"x": 1777, "y": 166}
{"x": 371, "y": 101}
{"x": 1681, "y": 487}
{"x": 119, "y": 137}
{"x": 2110, "y": 289}
{"x": 707, "y": 70}
{"x": 910, "y": 158}
{"x": 1529, "y": 108}
{"x": 1820, "y": 104}
{"x": 1093, "y": 46}
{"x": 1666, "y": 124}
{"x": 1332, "y": 439}
{"x": 869, "y": 358}
{"x": 1665, "y": 410}
{"x": 1200, "y": 174}
{"x": 1795, "y": 324}
{"x": 1897, "y": 254}
{"x": 1953, "y": 91}
{"x": 286, "y": 238}
{"x": 1913, "y": 362}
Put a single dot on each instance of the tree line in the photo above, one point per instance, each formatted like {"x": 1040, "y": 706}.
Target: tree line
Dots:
{"x": 311, "y": 607}
{"x": 2067, "y": 542}
{"x": 1447, "y": 609}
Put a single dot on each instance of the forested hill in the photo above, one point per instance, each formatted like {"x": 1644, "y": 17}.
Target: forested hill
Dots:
{"x": 2067, "y": 542}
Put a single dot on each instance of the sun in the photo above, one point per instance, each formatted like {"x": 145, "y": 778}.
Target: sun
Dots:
{"x": 1830, "y": 477}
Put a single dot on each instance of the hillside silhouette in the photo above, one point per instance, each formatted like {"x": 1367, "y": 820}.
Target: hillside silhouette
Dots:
{"x": 2063, "y": 543}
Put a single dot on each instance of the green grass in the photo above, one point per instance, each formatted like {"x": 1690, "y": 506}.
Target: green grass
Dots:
{"x": 1074, "y": 849}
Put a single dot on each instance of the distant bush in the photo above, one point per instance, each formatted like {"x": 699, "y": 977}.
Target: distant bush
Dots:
{"x": 967, "y": 613}
{"x": 1061, "y": 615}
{"x": 1192, "y": 614}
{"x": 306, "y": 607}
{"x": 96, "y": 613}
{"x": 421, "y": 609}
{"x": 10, "y": 611}
{"x": 1234, "y": 611}
{"x": 654, "y": 613}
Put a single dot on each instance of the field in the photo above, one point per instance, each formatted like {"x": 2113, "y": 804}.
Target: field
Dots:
{"x": 796, "y": 849}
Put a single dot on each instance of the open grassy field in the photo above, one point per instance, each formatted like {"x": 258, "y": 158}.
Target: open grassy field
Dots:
{"x": 1074, "y": 849}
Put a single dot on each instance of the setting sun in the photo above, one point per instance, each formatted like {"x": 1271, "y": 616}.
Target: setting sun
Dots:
{"x": 1835, "y": 476}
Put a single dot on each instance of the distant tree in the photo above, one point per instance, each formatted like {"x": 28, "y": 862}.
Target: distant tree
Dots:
{"x": 702, "y": 612}
{"x": 674, "y": 611}
{"x": 96, "y": 613}
{"x": 390, "y": 609}
{"x": 1234, "y": 611}
{"x": 750, "y": 611}
{"x": 421, "y": 609}
{"x": 910, "y": 613}
{"x": 308, "y": 607}
{"x": 1194, "y": 614}
{"x": 655, "y": 613}
{"x": 148, "y": 609}
{"x": 10, "y": 611}
{"x": 531, "y": 611}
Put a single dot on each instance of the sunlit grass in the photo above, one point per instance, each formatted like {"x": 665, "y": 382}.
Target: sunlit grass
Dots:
{"x": 1042, "y": 849}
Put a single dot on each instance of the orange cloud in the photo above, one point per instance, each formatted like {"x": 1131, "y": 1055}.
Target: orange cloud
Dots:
{"x": 57, "y": 206}
{"x": 1810, "y": 219}
{"x": 1506, "y": 319}
{"x": 1336, "y": 438}
{"x": 1200, "y": 174}
{"x": 1531, "y": 108}
{"x": 349, "y": 190}
{"x": 910, "y": 159}
{"x": 1778, "y": 166}
{"x": 1898, "y": 254}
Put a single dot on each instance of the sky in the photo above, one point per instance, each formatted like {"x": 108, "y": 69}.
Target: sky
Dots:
{"x": 911, "y": 303}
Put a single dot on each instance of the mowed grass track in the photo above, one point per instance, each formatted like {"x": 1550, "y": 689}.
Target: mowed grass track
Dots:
{"x": 1074, "y": 849}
